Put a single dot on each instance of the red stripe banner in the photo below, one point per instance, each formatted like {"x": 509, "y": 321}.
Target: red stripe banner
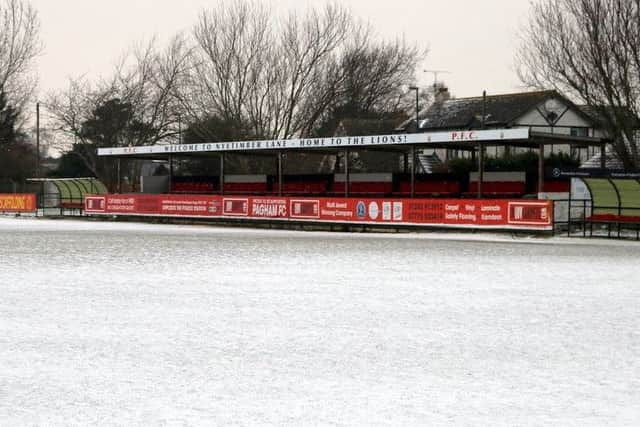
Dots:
{"x": 472, "y": 213}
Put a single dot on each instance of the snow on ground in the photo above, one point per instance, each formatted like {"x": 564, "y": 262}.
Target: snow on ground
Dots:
{"x": 138, "y": 324}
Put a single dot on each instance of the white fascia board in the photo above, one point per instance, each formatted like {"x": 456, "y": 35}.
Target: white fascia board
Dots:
{"x": 456, "y": 136}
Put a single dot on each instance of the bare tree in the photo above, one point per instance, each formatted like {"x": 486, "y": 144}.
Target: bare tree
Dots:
{"x": 148, "y": 84}
{"x": 229, "y": 41}
{"x": 309, "y": 48}
{"x": 376, "y": 72}
{"x": 134, "y": 106}
{"x": 278, "y": 77}
{"x": 589, "y": 49}
{"x": 245, "y": 72}
{"x": 255, "y": 74}
{"x": 19, "y": 46}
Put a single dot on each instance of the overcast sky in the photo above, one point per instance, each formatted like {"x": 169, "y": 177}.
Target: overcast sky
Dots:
{"x": 473, "y": 40}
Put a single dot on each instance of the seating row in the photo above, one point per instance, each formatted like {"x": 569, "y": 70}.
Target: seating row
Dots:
{"x": 192, "y": 187}
{"x": 319, "y": 187}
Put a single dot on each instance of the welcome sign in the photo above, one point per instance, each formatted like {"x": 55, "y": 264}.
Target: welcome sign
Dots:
{"x": 319, "y": 143}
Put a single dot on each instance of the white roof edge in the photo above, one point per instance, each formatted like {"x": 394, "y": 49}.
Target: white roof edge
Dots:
{"x": 426, "y": 138}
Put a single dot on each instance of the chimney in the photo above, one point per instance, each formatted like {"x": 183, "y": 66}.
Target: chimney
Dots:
{"x": 442, "y": 94}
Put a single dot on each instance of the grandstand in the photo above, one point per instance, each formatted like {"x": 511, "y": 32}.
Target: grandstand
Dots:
{"x": 408, "y": 196}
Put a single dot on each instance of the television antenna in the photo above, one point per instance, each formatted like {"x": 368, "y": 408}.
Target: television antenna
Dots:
{"x": 435, "y": 75}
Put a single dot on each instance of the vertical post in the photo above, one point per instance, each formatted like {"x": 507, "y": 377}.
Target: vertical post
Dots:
{"x": 480, "y": 168}
{"x": 590, "y": 219}
{"x": 171, "y": 157}
{"x": 481, "y": 146}
{"x": 540, "y": 169}
{"x": 119, "y": 181}
{"x": 569, "y": 202}
{"x": 603, "y": 157}
{"x": 347, "y": 181}
{"x": 279, "y": 173}
{"x": 221, "y": 177}
{"x": 170, "y": 173}
{"x": 584, "y": 218}
{"x": 484, "y": 108}
{"x": 40, "y": 202}
{"x": 417, "y": 108}
{"x": 417, "y": 111}
{"x": 37, "y": 140}
{"x": 413, "y": 147}
{"x": 413, "y": 170}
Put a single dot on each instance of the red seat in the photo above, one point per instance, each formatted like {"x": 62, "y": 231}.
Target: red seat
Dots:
{"x": 499, "y": 188}
{"x": 557, "y": 186}
{"x": 304, "y": 187}
{"x": 434, "y": 188}
{"x": 245, "y": 187}
{"x": 614, "y": 218}
{"x": 364, "y": 188}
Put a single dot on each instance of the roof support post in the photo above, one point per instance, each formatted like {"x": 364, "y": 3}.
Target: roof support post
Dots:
{"x": 480, "y": 168}
{"x": 346, "y": 173}
{"x": 603, "y": 157}
{"x": 37, "y": 140}
{"x": 480, "y": 146}
{"x": 119, "y": 182}
{"x": 221, "y": 174}
{"x": 170, "y": 173}
{"x": 279, "y": 173}
{"x": 413, "y": 171}
{"x": 540, "y": 168}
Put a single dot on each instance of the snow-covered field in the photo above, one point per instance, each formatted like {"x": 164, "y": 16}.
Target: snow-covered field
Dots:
{"x": 134, "y": 324}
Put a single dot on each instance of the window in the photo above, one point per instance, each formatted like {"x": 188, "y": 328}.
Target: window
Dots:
{"x": 579, "y": 131}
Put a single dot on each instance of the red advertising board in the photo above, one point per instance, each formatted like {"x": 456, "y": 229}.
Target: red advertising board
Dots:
{"x": 18, "y": 203}
{"x": 472, "y": 213}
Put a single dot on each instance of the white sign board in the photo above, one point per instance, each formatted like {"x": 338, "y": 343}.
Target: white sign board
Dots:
{"x": 335, "y": 142}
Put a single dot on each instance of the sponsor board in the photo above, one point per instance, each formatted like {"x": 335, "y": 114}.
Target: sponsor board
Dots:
{"x": 235, "y": 206}
{"x": 18, "y": 203}
{"x": 305, "y": 208}
{"x": 470, "y": 213}
{"x": 529, "y": 213}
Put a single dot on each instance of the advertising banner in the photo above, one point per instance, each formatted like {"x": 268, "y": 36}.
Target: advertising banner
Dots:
{"x": 18, "y": 203}
{"x": 472, "y": 213}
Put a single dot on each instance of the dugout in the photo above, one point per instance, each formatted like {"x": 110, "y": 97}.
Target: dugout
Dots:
{"x": 66, "y": 193}
{"x": 609, "y": 205}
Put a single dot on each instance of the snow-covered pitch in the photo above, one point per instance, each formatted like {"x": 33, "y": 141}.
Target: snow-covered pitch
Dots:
{"x": 134, "y": 324}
